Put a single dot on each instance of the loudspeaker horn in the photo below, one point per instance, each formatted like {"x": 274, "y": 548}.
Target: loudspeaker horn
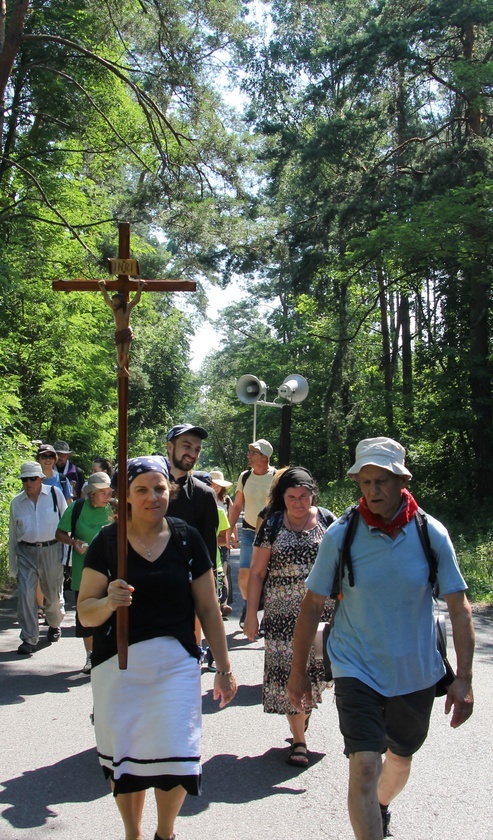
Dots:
{"x": 250, "y": 389}
{"x": 294, "y": 388}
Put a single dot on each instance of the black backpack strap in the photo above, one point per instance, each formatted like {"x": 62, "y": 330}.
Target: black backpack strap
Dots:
{"x": 244, "y": 478}
{"x": 179, "y": 532}
{"x": 351, "y": 517}
{"x": 76, "y": 512}
{"x": 327, "y": 516}
{"x": 422, "y": 528}
{"x": 274, "y": 523}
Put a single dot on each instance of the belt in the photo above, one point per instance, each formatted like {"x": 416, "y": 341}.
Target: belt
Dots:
{"x": 38, "y": 544}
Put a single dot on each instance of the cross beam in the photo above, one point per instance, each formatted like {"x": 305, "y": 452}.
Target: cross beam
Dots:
{"x": 123, "y": 285}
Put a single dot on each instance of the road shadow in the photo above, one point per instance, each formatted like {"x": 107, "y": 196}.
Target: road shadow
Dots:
{"x": 237, "y": 781}
{"x": 247, "y": 695}
{"x": 32, "y": 796}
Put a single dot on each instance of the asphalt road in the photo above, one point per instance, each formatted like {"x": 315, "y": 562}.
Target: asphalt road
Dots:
{"x": 51, "y": 785}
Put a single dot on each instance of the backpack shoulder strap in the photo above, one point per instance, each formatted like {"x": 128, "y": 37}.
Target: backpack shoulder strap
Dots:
{"x": 244, "y": 478}
{"x": 76, "y": 512}
{"x": 327, "y": 516}
{"x": 179, "y": 532}
{"x": 350, "y": 516}
{"x": 424, "y": 536}
{"x": 274, "y": 522}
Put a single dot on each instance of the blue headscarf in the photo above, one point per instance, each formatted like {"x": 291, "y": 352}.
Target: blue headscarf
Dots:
{"x": 137, "y": 466}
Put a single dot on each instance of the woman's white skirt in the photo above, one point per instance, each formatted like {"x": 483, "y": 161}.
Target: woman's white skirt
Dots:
{"x": 148, "y": 718}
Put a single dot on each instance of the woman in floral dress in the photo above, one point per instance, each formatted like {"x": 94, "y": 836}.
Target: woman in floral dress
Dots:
{"x": 285, "y": 549}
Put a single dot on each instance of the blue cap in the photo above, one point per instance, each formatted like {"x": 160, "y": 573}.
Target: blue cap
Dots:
{"x": 186, "y": 427}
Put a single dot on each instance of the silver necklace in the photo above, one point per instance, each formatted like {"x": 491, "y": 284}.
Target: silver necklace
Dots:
{"x": 302, "y": 527}
{"x": 148, "y": 551}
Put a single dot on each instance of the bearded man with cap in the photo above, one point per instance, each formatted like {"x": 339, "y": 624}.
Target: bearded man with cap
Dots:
{"x": 382, "y": 645}
{"x": 35, "y": 555}
{"x": 252, "y": 491}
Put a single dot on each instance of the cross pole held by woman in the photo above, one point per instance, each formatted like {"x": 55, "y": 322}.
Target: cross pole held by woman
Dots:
{"x": 284, "y": 551}
{"x": 147, "y": 718}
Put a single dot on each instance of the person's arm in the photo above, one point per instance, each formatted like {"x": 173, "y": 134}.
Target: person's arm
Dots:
{"x": 258, "y": 573}
{"x": 98, "y": 599}
{"x": 65, "y": 538}
{"x": 460, "y": 693}
{"x": 136, "y": 297}
{"x": 207, "y": 609}
{"x": 12, "y": 544}
{"x": 236, "y": 508}
{"x": 299, "y": 685}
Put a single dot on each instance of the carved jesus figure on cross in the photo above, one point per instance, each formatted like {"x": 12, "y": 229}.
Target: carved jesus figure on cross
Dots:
{"x": 121, "y": 312}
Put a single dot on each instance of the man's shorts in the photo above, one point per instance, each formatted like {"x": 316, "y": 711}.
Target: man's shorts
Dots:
{"x": 246, "y": 547}
{"x": 370, "y": 722}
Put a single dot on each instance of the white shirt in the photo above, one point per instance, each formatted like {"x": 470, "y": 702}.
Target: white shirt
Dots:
{"x": 31, "y": 522}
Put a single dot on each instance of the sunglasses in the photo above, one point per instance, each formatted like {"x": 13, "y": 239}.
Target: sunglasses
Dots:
{"x": 30, "y": 478}
{"x": 48, "y": 455}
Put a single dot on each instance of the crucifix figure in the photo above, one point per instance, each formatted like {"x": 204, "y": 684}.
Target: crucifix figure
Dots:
{"x": 121, "y": 313}
{"x": 116, "y": 295}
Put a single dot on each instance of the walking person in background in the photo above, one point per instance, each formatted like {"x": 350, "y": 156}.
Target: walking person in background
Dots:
{"x": 35, "y": 555}
{"x": 67, "y": 468}
{"x": 252, "y": 490}
{"x": 220, "y": 486}
{"x": 148, "y": 718}
{"x": 46, "y": 457}
{"x": 102, "y": 465}
{"x": 383, "y": 646}
{"x": 77, "y": 528}
{"x": 285, "y": 549}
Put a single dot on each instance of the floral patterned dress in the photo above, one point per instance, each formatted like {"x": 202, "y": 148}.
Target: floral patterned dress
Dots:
{"x": 292, "y": 556}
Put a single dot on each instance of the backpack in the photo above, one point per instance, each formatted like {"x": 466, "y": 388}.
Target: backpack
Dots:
{"x": 351, "y": 516}
{"x": 179, "y": 534}
{"x": 275, "y": 521}
{"x": 246, "y": 475}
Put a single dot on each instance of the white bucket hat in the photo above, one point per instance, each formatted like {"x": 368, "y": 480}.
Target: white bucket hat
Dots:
{"x": 31, "y": 469}
{"x": 379, "y": 452}
{"x": 217, "y": 477}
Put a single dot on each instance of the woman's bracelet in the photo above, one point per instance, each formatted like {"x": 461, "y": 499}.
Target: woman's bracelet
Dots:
{"x": 224, "y": 673}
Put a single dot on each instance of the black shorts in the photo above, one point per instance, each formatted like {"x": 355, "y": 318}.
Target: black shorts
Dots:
{"x": 81, "y": 632}
{"x": 371, "y": 722}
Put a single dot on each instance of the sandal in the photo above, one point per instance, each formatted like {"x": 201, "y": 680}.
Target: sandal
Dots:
{"x": 297, "y": 755}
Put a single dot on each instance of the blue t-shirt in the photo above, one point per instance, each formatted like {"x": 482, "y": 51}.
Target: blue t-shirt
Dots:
{"x": 384, "y": 631}
{"x": 64, "y": 486}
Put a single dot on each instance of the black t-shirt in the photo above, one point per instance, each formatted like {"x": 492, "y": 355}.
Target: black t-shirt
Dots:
{"x": 196, "y": 504}
{"x": 162, "y": 603}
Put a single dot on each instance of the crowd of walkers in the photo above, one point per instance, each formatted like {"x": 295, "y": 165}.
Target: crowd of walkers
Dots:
{"x": 181, "y": 526}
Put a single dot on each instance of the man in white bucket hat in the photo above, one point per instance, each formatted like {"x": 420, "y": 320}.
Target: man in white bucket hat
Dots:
{"x": 35, "y": 555}
{"x": 382, "y": 646}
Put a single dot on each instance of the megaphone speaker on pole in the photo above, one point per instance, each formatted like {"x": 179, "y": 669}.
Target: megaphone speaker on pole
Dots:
{"x": 249, "y": 389}
{"x": 294, "y": 388}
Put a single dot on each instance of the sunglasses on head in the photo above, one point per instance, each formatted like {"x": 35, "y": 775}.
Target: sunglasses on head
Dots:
{"x": 30, "y": 478}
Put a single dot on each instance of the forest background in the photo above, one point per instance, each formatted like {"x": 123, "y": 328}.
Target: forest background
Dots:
{"x": 334, "y": 159}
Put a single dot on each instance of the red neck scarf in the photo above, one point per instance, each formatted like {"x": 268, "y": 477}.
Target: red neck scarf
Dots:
{"x": 404, "y": 516}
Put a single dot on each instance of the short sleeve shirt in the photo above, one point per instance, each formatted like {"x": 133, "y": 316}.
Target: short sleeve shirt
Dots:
{"x": 384, "y": 630}
{"x": 255, "y": 490}
{"x": 162, "y": 603}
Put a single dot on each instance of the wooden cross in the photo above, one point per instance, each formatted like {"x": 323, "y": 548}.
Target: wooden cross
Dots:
{"x": 123, "y": 267}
